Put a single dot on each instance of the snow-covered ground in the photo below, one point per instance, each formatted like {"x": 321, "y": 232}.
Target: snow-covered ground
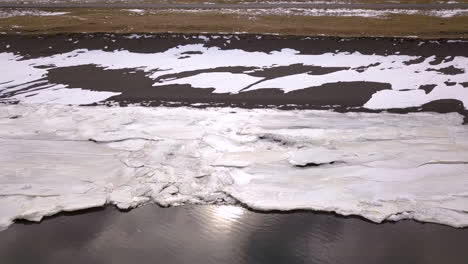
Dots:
{"x": 23, "y": 79}
{"x": 381, "y": 166}
{"x": 317, "y": 12}
{"x": 6, "y": 13}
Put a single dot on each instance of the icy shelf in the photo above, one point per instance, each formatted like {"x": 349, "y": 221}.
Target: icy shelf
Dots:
{"x": 380, "y": 166}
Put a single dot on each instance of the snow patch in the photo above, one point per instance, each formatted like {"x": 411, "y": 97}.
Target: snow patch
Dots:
{"x": 29, "y": 12}
{"x": 138, "y": 11}
{"x": 406, "y": 74}
{"x": 320, "y": 12}
{"x": 222, "y": 82}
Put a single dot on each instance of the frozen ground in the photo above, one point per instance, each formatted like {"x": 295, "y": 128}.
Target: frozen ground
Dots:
{"x": 414, "y": 80}
{"x": 381, "y": 166}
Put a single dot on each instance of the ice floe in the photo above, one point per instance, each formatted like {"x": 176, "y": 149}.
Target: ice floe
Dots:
{"x": 380, "y": 166}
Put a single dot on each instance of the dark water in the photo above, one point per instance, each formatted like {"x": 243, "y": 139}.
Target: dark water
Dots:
{"x": 227, "y": 234}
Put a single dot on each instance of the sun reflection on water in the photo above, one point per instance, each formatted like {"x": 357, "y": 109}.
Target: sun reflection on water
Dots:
{"x": 229, "y": 212}
{"x": 226, "y": 217}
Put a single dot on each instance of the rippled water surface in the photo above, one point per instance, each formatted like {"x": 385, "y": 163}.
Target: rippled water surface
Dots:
{"x": 227, "y": 234}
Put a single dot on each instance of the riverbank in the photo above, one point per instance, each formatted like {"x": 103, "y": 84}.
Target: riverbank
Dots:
{"x": 289, "y": 20}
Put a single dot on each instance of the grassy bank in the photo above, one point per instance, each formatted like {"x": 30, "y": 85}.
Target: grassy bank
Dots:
{"x": 123, "y": 21}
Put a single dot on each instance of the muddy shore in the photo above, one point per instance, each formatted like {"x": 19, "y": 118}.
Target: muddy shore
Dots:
{"x": 136, "y": 87}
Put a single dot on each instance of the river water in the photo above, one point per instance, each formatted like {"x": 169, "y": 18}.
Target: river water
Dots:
{"x": 227, "y": 234}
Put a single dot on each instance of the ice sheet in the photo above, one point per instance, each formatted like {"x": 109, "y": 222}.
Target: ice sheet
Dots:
{"x": 380, "y": 166}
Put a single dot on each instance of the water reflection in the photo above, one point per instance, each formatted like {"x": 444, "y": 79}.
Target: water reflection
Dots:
{"x": 227, "y": 234}
{"x": 228, "y": 214}
{"x": 225, "y": 222}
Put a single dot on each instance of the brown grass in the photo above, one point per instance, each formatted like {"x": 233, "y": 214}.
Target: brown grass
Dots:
{"x": 121, "y": 21}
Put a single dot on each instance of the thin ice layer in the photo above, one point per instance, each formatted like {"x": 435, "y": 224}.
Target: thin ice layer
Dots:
{"x": 380, "y": 166}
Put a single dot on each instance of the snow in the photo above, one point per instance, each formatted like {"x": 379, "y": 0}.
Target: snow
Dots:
{"x": 29, "y": 12}
{"x": 223, "y": 82}
{"x": 391, "y": 69}
{"x": 393, "y": 99}
{"x": 139, "y": 11}
{"x": 319, "y": 12}
{"x": 457, "y": 41}
{"x": 20, "y": 74}
{"x": 59, "y": 94}
{"x": 381, "y": 166}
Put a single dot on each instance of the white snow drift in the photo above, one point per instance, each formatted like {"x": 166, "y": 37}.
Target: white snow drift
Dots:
{"x": 23, "y": 79}
{"x": 381, "y": 166}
